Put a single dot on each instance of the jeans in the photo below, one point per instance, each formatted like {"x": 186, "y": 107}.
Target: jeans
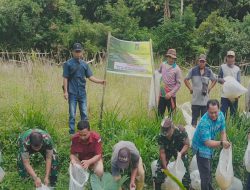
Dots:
{"x": 226, "y": 103}
{"x": 197, "y": 111}
{"x": 205, "y": 168}
{"x": 82, "y": 102}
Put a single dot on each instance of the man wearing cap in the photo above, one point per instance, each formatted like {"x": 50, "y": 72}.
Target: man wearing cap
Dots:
{"x": 229, "y": 69}
{"x": 86, "y": 149}
{"x": 33, "y": 141}
{"x": 75, "y": 72}
{"x": 170, "y": 83}
{"x": 172, "y": 141}
{"x": 200, "y": 89}
{"x": 125, "y": 154}
{"x": 204, "y": 141}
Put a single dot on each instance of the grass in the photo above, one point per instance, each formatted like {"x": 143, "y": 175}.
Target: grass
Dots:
{"x": 31, "y": 96}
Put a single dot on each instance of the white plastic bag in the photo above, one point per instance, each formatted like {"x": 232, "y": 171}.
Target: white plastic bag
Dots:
{"x": 43, "y": 187}
{"x": 232, "y": 88}
{"x": 224, "y": 172}
{"x": 154, "y": 90}
{"x": 236, "y": 185}
{"x": 78, "y": 177}
{"x": 247, "y": 157}
{"x": 2, "y": 174}
{"x": 154, "y": 168}
{"x": 178, "y": 170}
{"x": 187, "y": 112}
{"x": 190, "y": 131}
{"x": 193, "y": 165}
{"x": 195, "y": 180}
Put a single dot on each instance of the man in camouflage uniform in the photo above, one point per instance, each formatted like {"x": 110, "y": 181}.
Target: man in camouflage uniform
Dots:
{"x": 172, "y": 141}
{"x": 30, "y": 142}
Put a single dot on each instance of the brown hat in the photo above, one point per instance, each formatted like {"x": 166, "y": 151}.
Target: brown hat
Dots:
{"x": 202, "y": 57}
{"x": 171, "y": 53}
{"x": 166, "y": 124}
{"x": 123, "y": 158}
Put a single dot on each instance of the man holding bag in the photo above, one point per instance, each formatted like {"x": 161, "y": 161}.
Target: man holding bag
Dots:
{"x": 172, "y": 141}
{"x": 211, "y": 124}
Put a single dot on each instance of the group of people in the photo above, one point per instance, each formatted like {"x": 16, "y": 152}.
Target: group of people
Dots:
{"x": 86, "y": 145}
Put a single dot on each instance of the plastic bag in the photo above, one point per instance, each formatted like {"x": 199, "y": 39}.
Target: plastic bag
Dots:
{"x": 78, "y": 177}
{"x": 154, "y": 168}
{"x": 193, "y": 165}
{"x": 224, "y": 172}
{"x": 154, "y": 90}
{"x": 247, "y": 157}
{"x": 236, "y": 185}
{"x": 232, "y": 88}
{"x": 187, "y": 112}
{"x": 178, "y": 169}
{"x": 190, "y": 131}
{"x": 43, "y": 187}
{"x": 2, "y": 174}
{"x": 195, "y": 180}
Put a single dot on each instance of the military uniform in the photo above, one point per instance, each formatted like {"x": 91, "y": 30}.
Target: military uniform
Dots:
{"x": 172, "y": 147}
{"x": 25, "y": 151}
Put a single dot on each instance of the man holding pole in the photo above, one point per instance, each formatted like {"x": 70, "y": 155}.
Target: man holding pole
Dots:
{"x": 75, "y": 72}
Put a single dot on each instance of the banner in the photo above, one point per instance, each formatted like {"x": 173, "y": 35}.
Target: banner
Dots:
{"x": 130, "y": 58}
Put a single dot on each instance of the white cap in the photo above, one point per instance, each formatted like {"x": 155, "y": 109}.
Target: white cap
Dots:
{"x": 231, "y": 53}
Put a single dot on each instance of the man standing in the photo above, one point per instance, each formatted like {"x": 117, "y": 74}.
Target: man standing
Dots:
{"x": 229, "y": 69}
{"x": 170, "y": 83}
{"x": 75, "y": 72}
{"x": 33, "y": 141}
{"x": 172, "y": 141}
{"x": 212, "y": 123}
{"x": 86, "y": 149}
{"x": 200, "y": 76}
{"x": 125, "y": 154}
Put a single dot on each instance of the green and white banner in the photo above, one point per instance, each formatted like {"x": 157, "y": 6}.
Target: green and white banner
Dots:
{"x": 130, "y": 58}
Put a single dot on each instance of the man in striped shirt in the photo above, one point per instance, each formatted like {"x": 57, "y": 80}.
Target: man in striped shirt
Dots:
{"x": 170, "y": 83}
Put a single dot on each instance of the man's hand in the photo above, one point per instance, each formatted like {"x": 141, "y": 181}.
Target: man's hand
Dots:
{"x": 66, "y": 95}
{"x": 132, "y": 185}
{"x": 226, "y": 144}
{"x": 168, "y": 96}
{"x": 221, "y": 81}
{"x": 191, "y": 91}
{"x": 38, "y": 182}
{"x": 179, "y": 154}
{"x": 46, "y": 181}
{"x": 85, "y": 164}
{"x": 103, "y": 82}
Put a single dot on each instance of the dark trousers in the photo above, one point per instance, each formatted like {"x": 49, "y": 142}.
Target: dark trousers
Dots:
{"x": 226, "y": 103}
{"x": 197, "y": 111}
{"x": 166, "y": 103}
{"x": 205, "y": 168}
{"x": 248, "y": 182}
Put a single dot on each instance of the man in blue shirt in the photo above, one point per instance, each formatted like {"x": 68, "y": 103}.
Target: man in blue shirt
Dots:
{"x": 75, "y": 72}
{"x": 211, "y": 124}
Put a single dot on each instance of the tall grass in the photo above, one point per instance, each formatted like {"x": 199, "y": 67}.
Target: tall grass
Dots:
{"x": 31, "y": 96}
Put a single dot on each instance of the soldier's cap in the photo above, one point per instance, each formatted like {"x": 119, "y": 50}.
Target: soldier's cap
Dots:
{"x": 124, "y": 157}
{"x": 166, "y": 125}
{"x": 77, "y": 47}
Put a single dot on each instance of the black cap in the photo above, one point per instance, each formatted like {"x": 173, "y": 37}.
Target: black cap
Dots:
{"x": 77, "y": 47}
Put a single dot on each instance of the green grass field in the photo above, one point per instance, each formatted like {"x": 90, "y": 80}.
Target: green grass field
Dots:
{"x": 31, "y": 95}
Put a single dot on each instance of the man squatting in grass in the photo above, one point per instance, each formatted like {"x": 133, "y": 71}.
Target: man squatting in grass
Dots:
{"x": 200, "y": 76}
{"x": 126, "y": 155}
{"x": 33, "y": 141}
{"x": 86, "y": 149}
{"x": 211, "y": 124}
{"x": 75, "y": 72}
{"x": 170, "y": 83}
{"x": 172, "y": 141}
{"x": 229, "y": 69}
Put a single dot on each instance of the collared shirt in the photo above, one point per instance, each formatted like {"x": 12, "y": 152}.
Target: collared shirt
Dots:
{"x": 135, "y": 156}
{"x": 197, "y": 80}
{"x": 206, "y": 130}
{"x": 88, "y": 150}
{"x": 175, "y": 144}
{"x": 25, "y": 147}
{"x": 171, "y": 79}
{"x": 77, "y": 82}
